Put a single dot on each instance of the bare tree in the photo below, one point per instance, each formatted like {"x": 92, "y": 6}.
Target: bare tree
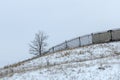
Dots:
{"x": 38, "y": 45}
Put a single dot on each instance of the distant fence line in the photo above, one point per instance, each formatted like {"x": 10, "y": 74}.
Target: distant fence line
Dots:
{"x": 93, "y": 38}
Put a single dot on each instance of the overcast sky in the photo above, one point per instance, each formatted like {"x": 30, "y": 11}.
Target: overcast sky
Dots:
{"x": 60, "y": 19}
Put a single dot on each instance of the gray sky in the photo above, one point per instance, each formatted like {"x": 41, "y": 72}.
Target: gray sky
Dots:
{"x": 60, "y": 19}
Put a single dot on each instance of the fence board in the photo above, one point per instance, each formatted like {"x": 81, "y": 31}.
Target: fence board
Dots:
{"x": 116, "y": 35}
{"x": 101, "y": 37}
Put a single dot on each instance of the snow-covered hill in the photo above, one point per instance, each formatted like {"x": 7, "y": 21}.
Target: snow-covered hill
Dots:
{"x": 95, "y": 62}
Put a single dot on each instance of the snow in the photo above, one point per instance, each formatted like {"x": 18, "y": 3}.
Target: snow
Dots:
{"x": 95, "y": 62}
{"x": 75, "y": 71}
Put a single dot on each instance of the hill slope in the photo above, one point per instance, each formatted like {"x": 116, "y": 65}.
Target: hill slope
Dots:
{"x": 95, "y": 62}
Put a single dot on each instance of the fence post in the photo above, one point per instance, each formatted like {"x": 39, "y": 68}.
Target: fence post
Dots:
{"x": 79, "y": 42}
{"x": 66, "y": 46}
{"x": 110, "y": 35}
{"x": 53, "y": 49}
{"x": 92, "y": 38}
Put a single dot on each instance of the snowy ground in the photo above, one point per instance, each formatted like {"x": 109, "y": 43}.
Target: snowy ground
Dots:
{"x": 95, "y": 62}
{"x": 100, "y": 69}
